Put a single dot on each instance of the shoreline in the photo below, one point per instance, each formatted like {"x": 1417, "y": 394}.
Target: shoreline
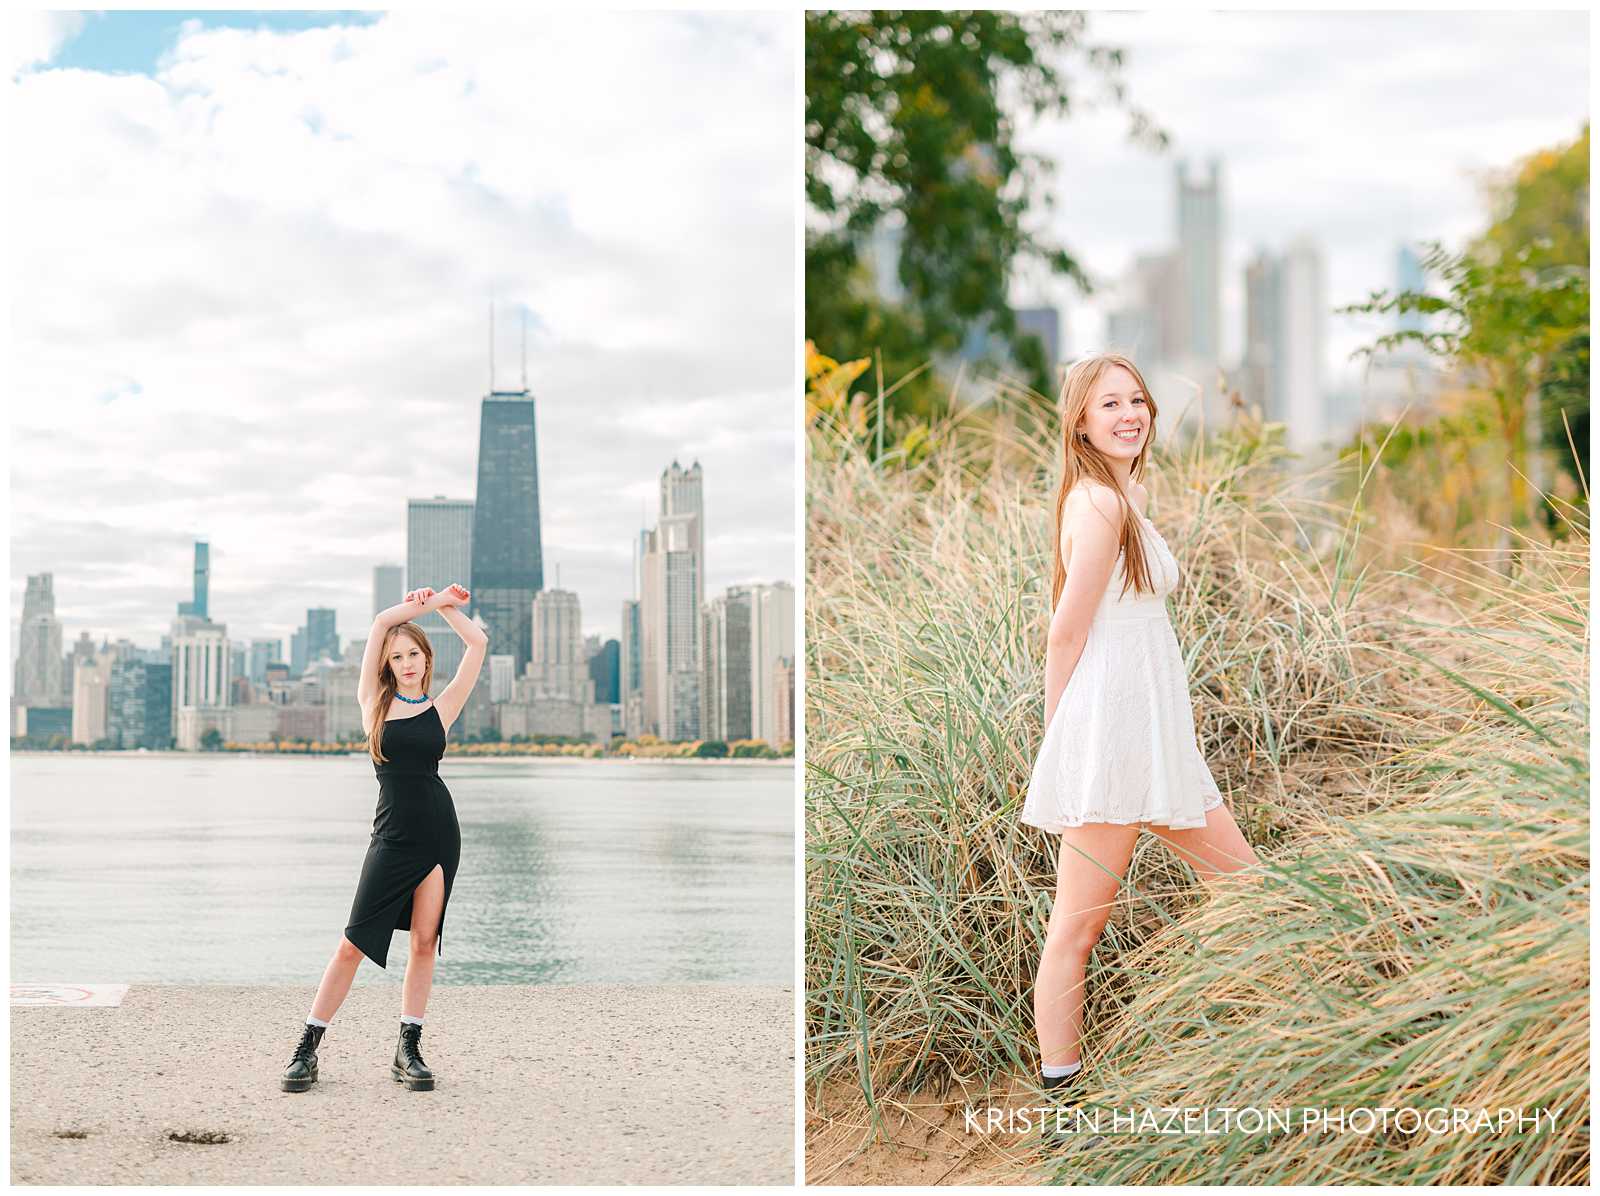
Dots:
{"x": 493, "y": 757}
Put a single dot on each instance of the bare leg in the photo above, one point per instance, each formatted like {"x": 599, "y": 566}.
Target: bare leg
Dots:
{"x": 336, "y": 978}
{"x": 427, "y": 903}
{"x": 1085, "y": 889}
{"x": 1213, "y": 850}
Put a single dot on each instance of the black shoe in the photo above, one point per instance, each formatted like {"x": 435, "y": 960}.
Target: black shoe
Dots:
{"x": 1054, "y": 1083}
{"x": 302, "y": 1070}
{"x": 408, "y": 1067}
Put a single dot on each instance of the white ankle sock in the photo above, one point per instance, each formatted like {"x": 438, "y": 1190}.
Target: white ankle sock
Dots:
{"x": 1053, "y": 1070}
{"x": 406, "y": 1017}
{"x": 316, "y": 1021}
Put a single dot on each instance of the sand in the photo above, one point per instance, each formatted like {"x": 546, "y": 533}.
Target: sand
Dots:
{"x": 536, "y": 1084}
{"x": 923, "y": 1140}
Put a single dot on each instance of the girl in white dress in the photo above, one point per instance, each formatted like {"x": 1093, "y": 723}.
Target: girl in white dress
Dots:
{"x": 1119, "y": 752}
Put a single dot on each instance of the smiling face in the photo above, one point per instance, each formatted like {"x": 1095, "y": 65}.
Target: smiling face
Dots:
{"x": 1117, "y": 418}
{"x": 406, "y": 661}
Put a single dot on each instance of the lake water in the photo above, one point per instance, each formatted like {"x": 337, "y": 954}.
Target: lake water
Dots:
{"x": 223, "y": 869}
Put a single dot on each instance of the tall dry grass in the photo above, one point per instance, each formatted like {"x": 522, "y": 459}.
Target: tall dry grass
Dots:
{"x": 1404, "y": 745}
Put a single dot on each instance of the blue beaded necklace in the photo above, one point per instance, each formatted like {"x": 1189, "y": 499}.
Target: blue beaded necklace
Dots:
{"x": 413, "y": 701}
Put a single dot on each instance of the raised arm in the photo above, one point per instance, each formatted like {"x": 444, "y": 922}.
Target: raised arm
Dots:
{"x": 1093, "y": 523}
{"x": 404, "y": 611}
{"x": 476, "y": 639}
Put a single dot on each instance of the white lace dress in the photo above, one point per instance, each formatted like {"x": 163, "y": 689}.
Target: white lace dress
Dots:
{"x": 1121, "y": 746}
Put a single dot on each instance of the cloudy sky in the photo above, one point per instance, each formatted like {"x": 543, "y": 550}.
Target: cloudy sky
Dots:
{"x": 251, "y": 279}
{"x": 1362, "y": 129}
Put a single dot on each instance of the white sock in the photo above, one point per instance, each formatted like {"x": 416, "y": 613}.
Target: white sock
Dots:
{"x": 1055, "y": 1070}
{"x": 316, "y": 1021}
{"x": 406, "y": 1017}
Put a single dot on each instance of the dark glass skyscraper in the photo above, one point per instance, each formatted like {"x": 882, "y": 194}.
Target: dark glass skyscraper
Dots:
{"x": 139, "y": 705}
{"x": 507, "y": 559}
{"x": 605, "y": 668}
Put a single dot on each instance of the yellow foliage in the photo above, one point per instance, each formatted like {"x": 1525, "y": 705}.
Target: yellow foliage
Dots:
{"x": 828, "y": 389}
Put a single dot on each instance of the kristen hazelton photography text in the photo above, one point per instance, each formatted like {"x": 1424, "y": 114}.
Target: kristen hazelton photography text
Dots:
{"x": 1211, "y": 462}
{"x": 1440, "y": 1119}
{"x": 542, "y": 695}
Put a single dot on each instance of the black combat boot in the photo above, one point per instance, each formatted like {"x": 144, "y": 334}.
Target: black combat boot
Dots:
{"x": 408, "y": 1067}
{"x": 302, "y": 1070}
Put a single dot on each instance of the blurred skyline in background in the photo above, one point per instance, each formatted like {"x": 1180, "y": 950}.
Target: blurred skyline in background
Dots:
{"x": 1340, "y": 142}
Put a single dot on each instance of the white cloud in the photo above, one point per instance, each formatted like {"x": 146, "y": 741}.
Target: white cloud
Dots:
{"x": 34, "y": 36}
{"x": 251, "y": 298}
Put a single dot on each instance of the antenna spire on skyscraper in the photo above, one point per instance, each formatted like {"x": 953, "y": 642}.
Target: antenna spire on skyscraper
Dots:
{"x": 491, "y": 340}
{"x": 524, "y": 348}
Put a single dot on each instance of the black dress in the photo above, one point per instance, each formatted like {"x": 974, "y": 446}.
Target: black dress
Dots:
{"x": 414, "y": 829}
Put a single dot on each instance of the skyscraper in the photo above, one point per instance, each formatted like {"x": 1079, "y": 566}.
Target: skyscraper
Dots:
{"x": 725, "y": 685}
{"x": 713, "y": 693}
{"x": 263, "y": 653}
{"x": 783, "y": 700}
{"x": 557, "y": 666}
{"x": 1305, "y": 307}
{"x": 670, "y": 630}
{"x": 91, "y": 686}
{"x": 630, "y": 678}
{"x": 682, "y": 493}
{"x": 1200, "y": 253}
{"x": 1150, "y": 323}
{"x": 139, "y": 706}
{"x": 322, "y": 637}
{"x": 388, "y": 586}
{"x": 439, "y": 539}
{"x": 507, "y": 556}
{"x": 39, "y": 676}
{"x": 1263, "y": 335}
{"x": 771, "y": 640}
{"x": 202, "y": 582}
{"x": 199, "y": 667}
{"x": 1285, "y": 334}
{"x": 604, "y": 666}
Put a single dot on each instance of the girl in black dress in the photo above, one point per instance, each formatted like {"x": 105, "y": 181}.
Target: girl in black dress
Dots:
{"x": 411, "y": 860}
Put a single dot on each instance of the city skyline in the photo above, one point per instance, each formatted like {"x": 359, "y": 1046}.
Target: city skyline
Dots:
{"x": 270, "y": 409}
{"x": 1395, "y": 157}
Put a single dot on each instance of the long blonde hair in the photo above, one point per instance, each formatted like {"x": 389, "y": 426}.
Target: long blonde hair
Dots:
{"x": 388, "y": 686}
{"x": 1080, "y": 459}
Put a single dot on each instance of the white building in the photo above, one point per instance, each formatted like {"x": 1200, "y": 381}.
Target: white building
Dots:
{"x": 683, "y": 493}
{"x": 557, "y": 664}
{"x": 91, "y": 685}
{"x": 37, "y": 678}
{"x": 200, "y": 675}
{"x": 1200, "y": 260}
{"x": 555, "y": 716}
{"x": 339, "y": 695}
{"x": 771, "y": 641}
{"x": 1305, "y": 308}
{"x": 670, "y": 629}
{"x": 194, "y": 721}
